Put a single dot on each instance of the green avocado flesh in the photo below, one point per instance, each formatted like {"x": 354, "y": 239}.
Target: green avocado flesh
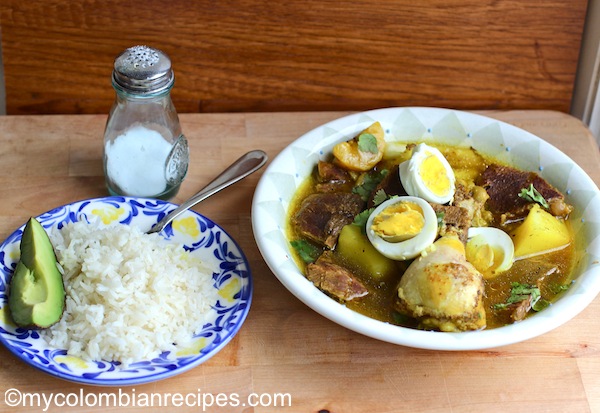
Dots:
{"x": 37, "y": 294}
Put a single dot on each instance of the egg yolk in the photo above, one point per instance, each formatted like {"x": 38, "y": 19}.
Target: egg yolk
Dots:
{"x": 399, "y": 221}
{"x": 434, "y": 175}
{"x": 484, "y": 257}
{"x": 451, "y": 241}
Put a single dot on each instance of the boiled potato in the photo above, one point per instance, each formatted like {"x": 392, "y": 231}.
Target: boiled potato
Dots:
{"x": 397, "y": 152}
{"x": 355, "y": 249}
{"x": 540, "y": 232}
{"x": 467, "y": 163}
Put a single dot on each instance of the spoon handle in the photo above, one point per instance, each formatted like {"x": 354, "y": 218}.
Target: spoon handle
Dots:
{"x": 244, "y": 166}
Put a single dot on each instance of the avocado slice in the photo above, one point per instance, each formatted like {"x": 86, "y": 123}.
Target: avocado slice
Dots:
{"x": 36, "y": 296}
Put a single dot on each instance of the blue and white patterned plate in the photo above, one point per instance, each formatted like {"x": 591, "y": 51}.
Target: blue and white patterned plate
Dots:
{"x": 201, "y": 236}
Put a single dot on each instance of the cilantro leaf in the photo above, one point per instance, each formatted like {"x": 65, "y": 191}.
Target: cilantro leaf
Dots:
{"x": 440, "y": 215}
{"x": 520, "y": 292}
{"x": 361, "y": 219}
{"x": 367, "y": 143}
{"x": 380, "y": 197}
{"x": 307, "y": 251}
{"x": 369, "y": 183}
{"x": 531, "y": 194}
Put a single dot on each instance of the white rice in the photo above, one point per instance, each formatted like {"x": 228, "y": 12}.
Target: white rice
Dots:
{"x": 130, "y": 296}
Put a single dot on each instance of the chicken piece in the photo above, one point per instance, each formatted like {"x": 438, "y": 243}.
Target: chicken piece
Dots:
{"x": 442, "y": 290}
{"x": 334, "y": 279}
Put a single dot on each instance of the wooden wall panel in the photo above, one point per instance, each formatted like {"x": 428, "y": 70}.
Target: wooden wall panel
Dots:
{"x": 254, "y": 55}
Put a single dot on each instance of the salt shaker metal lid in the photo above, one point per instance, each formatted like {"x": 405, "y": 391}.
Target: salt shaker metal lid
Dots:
{"x": 142, "y": 70}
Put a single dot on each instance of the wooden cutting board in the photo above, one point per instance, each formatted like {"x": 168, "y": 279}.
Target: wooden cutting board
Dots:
{"x": 284, "y": 348}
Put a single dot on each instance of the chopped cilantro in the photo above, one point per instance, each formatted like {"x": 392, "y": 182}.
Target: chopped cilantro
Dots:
{"x": 367, "y": 143}
{"x": 307, "y": 251}
{"x": 369, "y": 183}
{"x": 440, "y": 218}
{"x": 363, "y": 191}
{"x": 520, "y": 292}
{"x": 379, "y": 197}
{"x": 361, "y": 219}
{"x": 531, "y": 194}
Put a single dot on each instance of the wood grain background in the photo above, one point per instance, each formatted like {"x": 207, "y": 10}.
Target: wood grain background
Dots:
{"x": 255, "y": 55}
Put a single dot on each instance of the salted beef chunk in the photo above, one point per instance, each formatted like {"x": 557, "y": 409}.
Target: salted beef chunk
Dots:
{"x": 503, "y": 185}
{"x": 321, "y": 217}
{"x": 334, "y": 279}
{"x": 453, "y": 220}
{"x": 333, "y": 178}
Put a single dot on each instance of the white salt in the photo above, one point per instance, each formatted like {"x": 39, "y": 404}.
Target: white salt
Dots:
{"x": 136, "y": 161}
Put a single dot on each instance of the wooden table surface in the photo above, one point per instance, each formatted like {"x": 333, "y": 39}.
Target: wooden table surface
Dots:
{"x": 284, "y": 347}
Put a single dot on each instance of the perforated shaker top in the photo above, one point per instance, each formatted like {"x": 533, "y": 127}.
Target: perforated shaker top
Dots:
{"x": 143, "y": 70}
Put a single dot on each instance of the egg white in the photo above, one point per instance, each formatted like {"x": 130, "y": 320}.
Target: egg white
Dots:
{"x": 411, "y": 247}
{"x": 498, "y": 240}
{"x": 411, "y": 178}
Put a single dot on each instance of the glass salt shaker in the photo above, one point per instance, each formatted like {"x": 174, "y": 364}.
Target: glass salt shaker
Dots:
{"x": 145, "y": 152}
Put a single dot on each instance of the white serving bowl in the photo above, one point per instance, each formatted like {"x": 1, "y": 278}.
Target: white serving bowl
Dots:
{"x": 489, "y": 136}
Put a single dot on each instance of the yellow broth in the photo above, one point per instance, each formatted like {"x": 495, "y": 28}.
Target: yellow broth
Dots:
{"x": 551, "y": 271}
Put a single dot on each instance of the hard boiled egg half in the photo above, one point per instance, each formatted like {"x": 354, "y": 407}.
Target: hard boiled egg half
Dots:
{"x": 402, "y": 227}
{"x": 428, "y": 175}
{"x": 490, "y": 250}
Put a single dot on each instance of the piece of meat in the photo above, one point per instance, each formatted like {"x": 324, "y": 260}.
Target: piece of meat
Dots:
{"x": 473, "y": 200}
{"x": 322, "y": 216}
{"x": 390, "y": 184}
{"x": 334, "y": 279}
{"x": 329, "y": 171}
{"x": 461, "y": 194}
{"x": 504, "y": 184}
{"x": 333, "y": 178}
{"x": 453, "y": 220}
{"x": 520, "y": 310}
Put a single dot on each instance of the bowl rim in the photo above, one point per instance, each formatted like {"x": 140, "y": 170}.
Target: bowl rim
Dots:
{"x": 572, "y": 303}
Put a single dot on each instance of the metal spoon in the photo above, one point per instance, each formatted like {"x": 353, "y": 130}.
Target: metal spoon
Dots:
{"x": 244, "y": 166}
